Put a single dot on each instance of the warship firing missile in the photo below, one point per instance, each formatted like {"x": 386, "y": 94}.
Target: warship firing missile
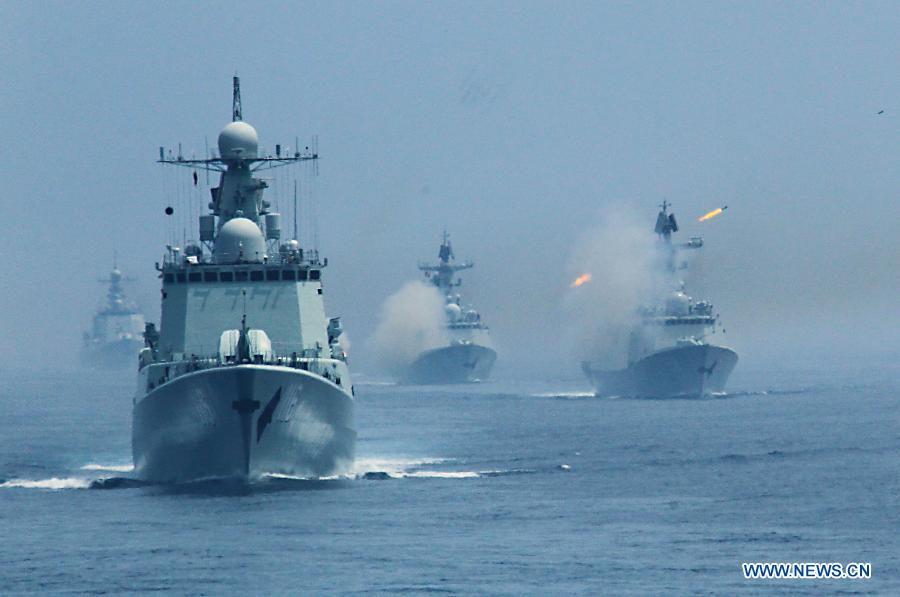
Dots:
{"x": 668, "y": 346}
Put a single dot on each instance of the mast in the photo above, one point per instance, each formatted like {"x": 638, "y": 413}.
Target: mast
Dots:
{"x": 239, "y": 194}
{"x": 295, "y": 210}
{"x": 236, "y": 100}
{"x": 441, "y": 273}
{"x": 666, "y": 225}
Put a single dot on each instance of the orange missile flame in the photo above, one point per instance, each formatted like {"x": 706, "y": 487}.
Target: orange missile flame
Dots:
{"x": 712, "y": 214}
{"x": 583, "y": 278}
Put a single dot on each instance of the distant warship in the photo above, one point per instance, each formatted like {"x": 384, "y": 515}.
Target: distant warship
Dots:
{"x": 116, "y": 334}
{"x": 246, "y": 376}
{"x": 670, "y": 350}
{"x": 469, "y": 356}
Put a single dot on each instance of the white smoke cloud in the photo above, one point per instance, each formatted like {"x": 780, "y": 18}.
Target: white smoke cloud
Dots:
{"x": 412, "y": 320}
{"x": 621, "y": 254}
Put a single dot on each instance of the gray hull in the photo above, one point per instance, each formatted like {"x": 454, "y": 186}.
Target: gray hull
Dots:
{"x": 463, "y": 363}
{"x": 243, "y": 422}
{"x": 674, "y": 372}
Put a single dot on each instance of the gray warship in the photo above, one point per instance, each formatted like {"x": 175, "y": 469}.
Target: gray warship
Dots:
{"x": 469, "y": 356}
{"x": 671, "y": 352}
{"x": 115, "y": 336}
{"x": 246, "y": 376}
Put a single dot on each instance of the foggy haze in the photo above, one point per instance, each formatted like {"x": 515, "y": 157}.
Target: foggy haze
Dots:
{"x": 511, "y": 124}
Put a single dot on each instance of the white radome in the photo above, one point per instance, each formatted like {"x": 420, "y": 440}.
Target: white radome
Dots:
{"x": 240, "y": 239}
{"x": 238, "y": 140}
{"x": 678, "y": 303}
{"x": 453, "y": 311}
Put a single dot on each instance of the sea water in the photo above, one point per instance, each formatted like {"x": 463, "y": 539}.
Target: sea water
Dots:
{"x": 506, "y": 487}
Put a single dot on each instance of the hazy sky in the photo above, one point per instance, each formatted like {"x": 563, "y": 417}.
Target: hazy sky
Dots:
{"x": 509, "y": 123}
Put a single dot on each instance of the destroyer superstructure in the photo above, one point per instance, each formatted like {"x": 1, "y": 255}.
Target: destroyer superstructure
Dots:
{"x": 246, "y": 375}
{"x": 115, "y": 336}
{"x": 671, "y": 351}
{"x": 468, "y": 355}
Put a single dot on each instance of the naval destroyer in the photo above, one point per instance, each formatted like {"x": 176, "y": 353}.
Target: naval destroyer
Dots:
{"x": 468, "y": 355}
{"x": 246, "y": 376}
{"x": 671, "y": 351}
{"x": 115, "y": 336}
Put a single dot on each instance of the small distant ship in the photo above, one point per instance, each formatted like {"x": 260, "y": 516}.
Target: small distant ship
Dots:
{"x": 469, "y": 356}
{"x": 670, "y": 350}
{"x": 246, "y": 376}
{"x": 116, "y": 334}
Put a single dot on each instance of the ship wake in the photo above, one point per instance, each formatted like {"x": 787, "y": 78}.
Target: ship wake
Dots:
{"x": 115, "y": 476}
{"x": 89, "y": 476}
{"x": 425, "y": 468}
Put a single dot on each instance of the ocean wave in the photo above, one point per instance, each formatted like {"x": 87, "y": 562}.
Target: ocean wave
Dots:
{"x": 367, "y": 468}
{"x": 391, "y": 466}
{"x": 717, "y": 395}
{"x": 113, "y": 468}
{"x": 430, "y": 474}
{"x": 54, "y": 483}
{"x": 576, "y": 395}
{"x": 96, "y": 481}
{"x": 117, "y": 483}
{"x": 282, "y": 476}
{"x": 376, "y": 475}
{"x": 374, "y": 469}
{"x": 767, "y": 392}
{"x": 441, "y": 475}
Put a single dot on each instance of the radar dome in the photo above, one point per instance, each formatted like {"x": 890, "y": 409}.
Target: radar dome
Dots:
{"x": 678, "y": 303}
{"x": 240, "y": 240}
{"x": 238, "y": 140}
{"x": 453, "y": 311}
